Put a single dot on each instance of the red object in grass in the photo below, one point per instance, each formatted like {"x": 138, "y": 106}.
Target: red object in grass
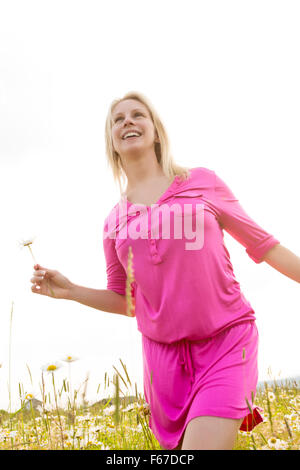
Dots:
{"x": 252, "y": 420}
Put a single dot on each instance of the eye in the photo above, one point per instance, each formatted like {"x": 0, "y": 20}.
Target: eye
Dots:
{"x": 135, "y": 114}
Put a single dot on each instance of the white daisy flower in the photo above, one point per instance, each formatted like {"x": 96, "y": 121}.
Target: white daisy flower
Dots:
{"x": 26, "y": 242}
{"x": 28, "y": 396}
{"x": 51, "y": 367}
{"x": 293, "y": 417}
{"x": 281, "y": 445}
{"x": 84, "y": 418}
{"x": 109, "y": 410}
{"x": 273, "y": 442}
{"x": 70, "y": 358}
{"x": 271, "y": 396}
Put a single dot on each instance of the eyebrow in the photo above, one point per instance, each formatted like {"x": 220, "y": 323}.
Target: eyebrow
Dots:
{"x": 136, "y": 109}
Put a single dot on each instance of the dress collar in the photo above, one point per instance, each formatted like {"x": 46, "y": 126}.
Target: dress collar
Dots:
{"x": 125, "y": 210}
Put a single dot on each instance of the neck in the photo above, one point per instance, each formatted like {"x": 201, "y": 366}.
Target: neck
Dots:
{"x": 140, "y": 171}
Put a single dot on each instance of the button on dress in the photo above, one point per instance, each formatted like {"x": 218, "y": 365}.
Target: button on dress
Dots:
{"x": 199, "y": 335}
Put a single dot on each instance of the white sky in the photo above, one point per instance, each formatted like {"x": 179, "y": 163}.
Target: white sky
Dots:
{"x": 224, "y": 77}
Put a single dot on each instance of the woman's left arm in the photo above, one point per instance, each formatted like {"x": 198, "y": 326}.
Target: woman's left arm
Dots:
{"x": 284, "y": 260}
{"x": 260, "y": 245}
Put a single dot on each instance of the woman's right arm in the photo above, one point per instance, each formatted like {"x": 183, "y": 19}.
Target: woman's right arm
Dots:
{"x": 53, "y": 284}
{"x": 101, "y": 299}
{"x": 113, "y": 299}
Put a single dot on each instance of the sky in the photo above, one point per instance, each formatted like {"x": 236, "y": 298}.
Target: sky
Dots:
{"x": 224, "y": 78}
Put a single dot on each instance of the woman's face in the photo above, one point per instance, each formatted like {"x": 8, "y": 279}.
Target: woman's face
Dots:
{"x": 131, "y": 115}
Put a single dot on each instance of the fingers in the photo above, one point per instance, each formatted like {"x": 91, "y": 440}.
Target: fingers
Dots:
{"x": 35, "y": 289}
{"x": 37, "y": 279}
{"x": 40, "y": 272}
{"x": 38, "y": 276}
{"x": 38, "y": 289}
{"x": 38, "y": 267}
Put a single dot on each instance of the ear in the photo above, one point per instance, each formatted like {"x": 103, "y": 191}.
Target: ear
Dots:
{"x": 156, "y": 139}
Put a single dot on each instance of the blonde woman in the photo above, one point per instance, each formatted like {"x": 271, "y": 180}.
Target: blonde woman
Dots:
{"x": 199, "y": 336}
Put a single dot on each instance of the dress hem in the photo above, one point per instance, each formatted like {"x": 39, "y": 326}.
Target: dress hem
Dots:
{"x": 250, "y": 421}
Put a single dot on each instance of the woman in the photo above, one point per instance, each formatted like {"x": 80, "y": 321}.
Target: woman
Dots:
{"x": 199, "y": 336}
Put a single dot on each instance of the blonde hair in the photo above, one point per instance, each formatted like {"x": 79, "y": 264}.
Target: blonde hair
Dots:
{"x": 162, "y": 148}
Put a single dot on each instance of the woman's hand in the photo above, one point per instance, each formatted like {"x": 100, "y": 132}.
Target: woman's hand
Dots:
{"x": 50, "y": 282}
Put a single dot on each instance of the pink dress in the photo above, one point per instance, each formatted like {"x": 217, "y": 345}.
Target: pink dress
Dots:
{"x": 199, "y": 336}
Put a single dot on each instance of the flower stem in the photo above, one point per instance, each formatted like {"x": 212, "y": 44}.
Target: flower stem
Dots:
{"x": 52, "y": 293}
{"x": 9, "y": 360}
{"x": 34, "y": 423}
{"x": 60, "y": 425}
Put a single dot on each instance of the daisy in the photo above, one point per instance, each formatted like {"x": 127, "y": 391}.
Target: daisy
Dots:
{"x": 28, "y": 242}
{"x": 69, "y": 359}
{"x": 85, "y": 418}
{"x": 271, "y": 396}
{"x": 52, "y": 367}
{"x": 292, "y": 417}
{"x": 273, "y": 442}
{"x": 281, "y": 445}
{"x": 109, "y": 410}
{"x": 28, "y": 396}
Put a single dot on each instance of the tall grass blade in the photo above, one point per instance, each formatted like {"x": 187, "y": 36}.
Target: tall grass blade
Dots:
{"x": 121, "y": 377}
{"x": 125, "y": 369}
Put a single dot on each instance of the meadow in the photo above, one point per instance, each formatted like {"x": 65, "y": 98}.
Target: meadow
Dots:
{"x": 121, "y": 421}
{"x": 62, "y": 419}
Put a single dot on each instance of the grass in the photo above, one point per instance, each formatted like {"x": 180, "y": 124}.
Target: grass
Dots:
{"x": 121, "y": 421}
{"x": 280, "y": 429}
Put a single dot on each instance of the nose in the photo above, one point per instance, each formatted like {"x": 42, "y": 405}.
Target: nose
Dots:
{"x": 127, "y": 120}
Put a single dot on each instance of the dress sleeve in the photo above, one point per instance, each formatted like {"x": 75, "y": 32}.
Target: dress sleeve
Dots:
{"x": 116, "y": 274}
{"x": 233, "y": 218}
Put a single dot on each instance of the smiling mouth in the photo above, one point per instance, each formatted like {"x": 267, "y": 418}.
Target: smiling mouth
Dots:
{"x": 132, "y": 137}
{"x": 131, "y": 134}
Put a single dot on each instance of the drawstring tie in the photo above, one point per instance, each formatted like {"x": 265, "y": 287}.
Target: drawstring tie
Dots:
{"x": 185, "y": 357}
